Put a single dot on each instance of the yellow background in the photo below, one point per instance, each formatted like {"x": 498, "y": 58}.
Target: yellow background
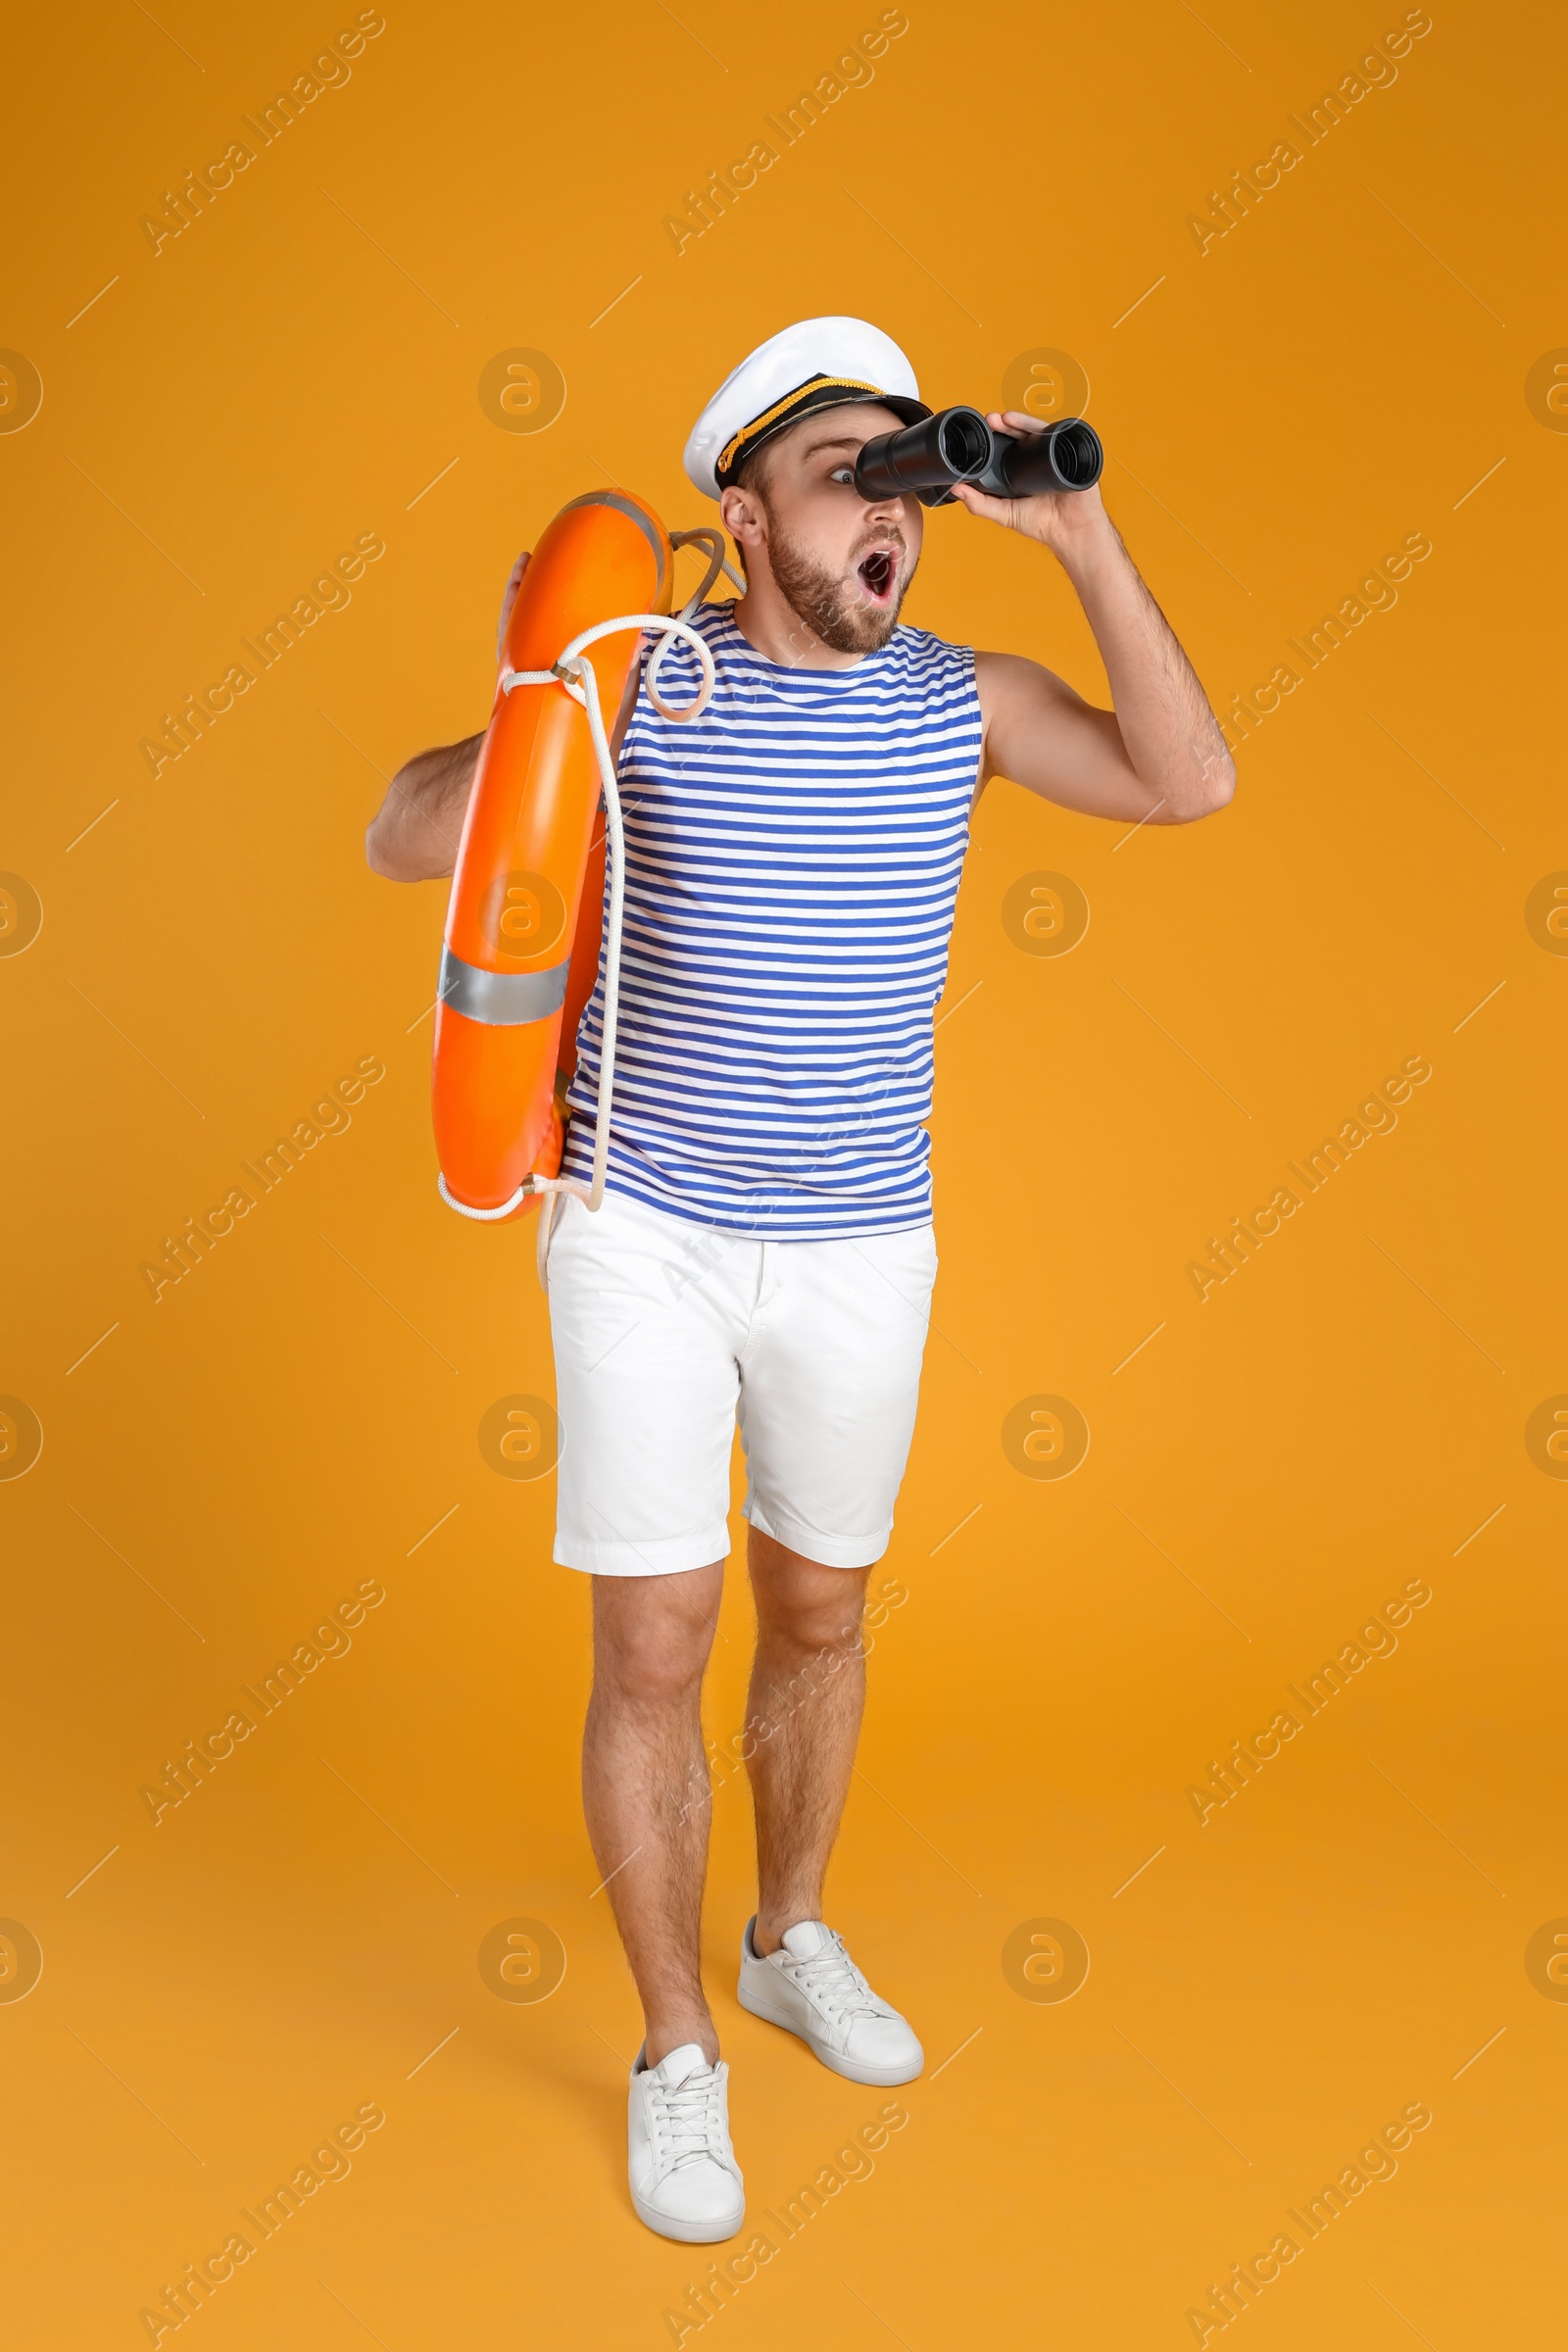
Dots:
{"x": 294, "y": 370}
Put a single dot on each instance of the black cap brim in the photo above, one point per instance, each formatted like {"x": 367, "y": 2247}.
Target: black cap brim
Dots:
{"x": 807, "y": 402}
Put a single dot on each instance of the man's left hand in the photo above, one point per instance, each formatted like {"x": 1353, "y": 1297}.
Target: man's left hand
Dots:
{"x": 1065, "y": 520}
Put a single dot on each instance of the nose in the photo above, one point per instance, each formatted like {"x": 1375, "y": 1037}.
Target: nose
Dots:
{"x": 892, "y": 508}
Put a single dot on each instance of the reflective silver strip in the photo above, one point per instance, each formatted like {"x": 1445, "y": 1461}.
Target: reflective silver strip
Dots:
{"x": 503, "y": 999}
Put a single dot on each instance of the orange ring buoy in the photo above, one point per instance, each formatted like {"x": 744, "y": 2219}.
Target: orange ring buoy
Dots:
{"x": 522, "y": 950}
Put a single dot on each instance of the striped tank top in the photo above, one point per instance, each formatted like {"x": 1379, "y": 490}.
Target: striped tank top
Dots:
{"x": 792, "y": 866}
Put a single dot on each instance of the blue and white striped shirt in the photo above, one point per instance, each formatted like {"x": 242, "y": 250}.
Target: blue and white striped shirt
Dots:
{"x": 791, "y": 864}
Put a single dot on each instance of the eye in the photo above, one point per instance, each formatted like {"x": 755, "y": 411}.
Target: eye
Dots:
{"x": 842, "y": 473}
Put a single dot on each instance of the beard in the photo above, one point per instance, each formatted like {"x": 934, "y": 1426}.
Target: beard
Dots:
{"x": 827, "y": 602}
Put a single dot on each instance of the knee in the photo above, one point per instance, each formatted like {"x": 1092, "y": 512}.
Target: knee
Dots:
{"x": 804, "y": 1605}
{"x": 651, "y": 1673}
{"x": 826, "y": 1627}
{"x": 652, "y": 1658}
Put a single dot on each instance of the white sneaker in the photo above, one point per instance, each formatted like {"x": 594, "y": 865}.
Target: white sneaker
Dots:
{"x": 685, "y": 2181}
{"x": 812, "y": 1988}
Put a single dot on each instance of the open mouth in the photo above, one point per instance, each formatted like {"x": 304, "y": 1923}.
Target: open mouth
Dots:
{"x": 876, "y": 574}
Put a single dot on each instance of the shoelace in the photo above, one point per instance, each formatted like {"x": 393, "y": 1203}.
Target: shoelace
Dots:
{"x": 832, "y": 1977}
{"x": 685, "y": 2121}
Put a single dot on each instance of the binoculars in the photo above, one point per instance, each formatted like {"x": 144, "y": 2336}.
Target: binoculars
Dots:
{"x": 957, "y": 445}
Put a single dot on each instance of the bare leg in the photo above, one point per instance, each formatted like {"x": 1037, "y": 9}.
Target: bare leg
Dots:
{"x": 804, "y": 1712}
{"x": 645, "y": 1785}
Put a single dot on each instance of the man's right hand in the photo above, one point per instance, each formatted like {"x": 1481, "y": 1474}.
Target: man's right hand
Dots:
{"x": 507, "y": 603}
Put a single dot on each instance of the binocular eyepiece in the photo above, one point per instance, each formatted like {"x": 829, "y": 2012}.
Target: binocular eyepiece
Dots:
{"x": 957, "y": 445}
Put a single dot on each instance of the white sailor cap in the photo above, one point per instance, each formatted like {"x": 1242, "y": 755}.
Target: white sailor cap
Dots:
{"x": 816, "y": 365}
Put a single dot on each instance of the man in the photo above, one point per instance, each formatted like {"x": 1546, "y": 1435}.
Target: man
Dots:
{"x": 765, "y": 1244}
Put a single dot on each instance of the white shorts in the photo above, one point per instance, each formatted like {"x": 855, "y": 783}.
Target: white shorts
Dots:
{"x": 667, "y": 1331}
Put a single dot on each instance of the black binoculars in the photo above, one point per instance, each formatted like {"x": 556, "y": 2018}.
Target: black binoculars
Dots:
{"x": 957, "y": 445}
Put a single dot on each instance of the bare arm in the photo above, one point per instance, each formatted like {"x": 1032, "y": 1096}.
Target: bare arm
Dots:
{"x": 413, "y": 835}
{"x": 1158, "y": 754}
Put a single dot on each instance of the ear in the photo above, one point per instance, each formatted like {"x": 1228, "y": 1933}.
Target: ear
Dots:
{"x": 741, "y": 513}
